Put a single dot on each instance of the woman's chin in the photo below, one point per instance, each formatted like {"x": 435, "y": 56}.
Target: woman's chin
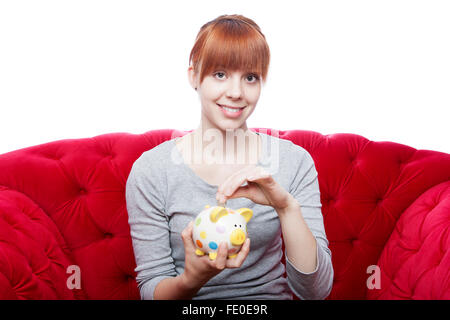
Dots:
{"x": 232, "y": 125}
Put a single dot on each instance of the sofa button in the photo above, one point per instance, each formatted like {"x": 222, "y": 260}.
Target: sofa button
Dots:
{"x": 129, "y": 277}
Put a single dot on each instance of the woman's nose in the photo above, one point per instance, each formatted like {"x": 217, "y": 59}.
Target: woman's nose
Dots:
{"x": 234, "y": 89}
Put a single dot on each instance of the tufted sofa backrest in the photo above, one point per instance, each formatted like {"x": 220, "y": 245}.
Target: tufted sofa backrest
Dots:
{"x": 63, "y": 210}
{"x": 365, "y": 187}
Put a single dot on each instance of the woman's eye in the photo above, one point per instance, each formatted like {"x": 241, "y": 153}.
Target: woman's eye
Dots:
{"x": 253, "y": 76}
{"x": 219, "y": 73}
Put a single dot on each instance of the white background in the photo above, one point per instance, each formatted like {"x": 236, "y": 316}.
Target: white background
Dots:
{"x": 74, "y": 69}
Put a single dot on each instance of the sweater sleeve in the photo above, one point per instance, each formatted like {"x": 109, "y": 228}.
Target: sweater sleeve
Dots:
{"x": 305, "y": 189}
{"x": 149, "y": 227}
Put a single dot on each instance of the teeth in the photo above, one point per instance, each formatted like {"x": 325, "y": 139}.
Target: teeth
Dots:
{"x": 231, "y": 110}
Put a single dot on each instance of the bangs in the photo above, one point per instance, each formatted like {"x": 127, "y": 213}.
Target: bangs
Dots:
{"x": 231, "y": 45}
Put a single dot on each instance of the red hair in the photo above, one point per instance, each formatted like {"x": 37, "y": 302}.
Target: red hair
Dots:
{"x": 231, "y": 42}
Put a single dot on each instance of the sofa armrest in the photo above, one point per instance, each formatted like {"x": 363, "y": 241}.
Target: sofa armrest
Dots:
{"x": 414, "y": 263}
{"x": 33, "y": 254}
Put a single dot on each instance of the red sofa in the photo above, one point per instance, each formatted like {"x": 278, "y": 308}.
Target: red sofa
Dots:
{"x": 64, "y": 230}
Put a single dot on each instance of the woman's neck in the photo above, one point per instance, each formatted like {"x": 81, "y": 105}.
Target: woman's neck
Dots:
{"x": 231, "y": 146}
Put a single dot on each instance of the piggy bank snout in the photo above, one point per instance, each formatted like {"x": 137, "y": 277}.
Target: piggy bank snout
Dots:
{"x": 237, "y": 237}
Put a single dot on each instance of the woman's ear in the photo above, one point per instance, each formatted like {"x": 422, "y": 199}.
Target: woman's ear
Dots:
{"x": 192, "y": 77}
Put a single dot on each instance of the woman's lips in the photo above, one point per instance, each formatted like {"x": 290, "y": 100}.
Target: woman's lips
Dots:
{"x": 229, "y": 113}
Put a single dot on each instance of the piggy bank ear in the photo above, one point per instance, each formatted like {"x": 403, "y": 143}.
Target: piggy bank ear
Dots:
{"x": 217, "y": 213}
{"x": 246, "y": 213}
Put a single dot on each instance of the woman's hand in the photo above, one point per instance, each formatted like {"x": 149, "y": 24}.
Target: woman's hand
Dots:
{"x": 261, "y": 188}
{"x": 199, "y": 269}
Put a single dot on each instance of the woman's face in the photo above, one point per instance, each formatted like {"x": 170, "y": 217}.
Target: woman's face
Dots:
{"x": 236, "y": 90}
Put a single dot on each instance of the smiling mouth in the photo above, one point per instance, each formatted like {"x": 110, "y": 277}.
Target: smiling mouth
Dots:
{"x": 231, "y": 109}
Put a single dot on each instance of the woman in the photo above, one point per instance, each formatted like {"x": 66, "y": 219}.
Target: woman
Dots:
{"x": 171, "y": 183}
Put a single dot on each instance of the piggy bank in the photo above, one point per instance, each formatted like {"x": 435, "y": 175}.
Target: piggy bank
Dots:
{"x": 218, "y": 224}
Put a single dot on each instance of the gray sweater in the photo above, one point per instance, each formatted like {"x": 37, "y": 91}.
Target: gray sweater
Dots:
{"x": 163, "y": 195}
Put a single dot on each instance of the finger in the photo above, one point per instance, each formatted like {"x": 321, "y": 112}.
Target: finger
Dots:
{"x": 221, "y": 259}
{"x": 257, "y": 181}
{"x": 241, "y": 256}
{"x": 236, "y": 180}
{"x": 226, "y": 183}
{"x": 250, "y": 191}
{"x": 242, "y": 192}
{"x": 261, "y": 176}
{"x": 186, "y": 236}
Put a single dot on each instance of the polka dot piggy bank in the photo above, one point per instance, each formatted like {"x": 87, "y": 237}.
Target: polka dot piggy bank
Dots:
{"x": 218, "y": 224}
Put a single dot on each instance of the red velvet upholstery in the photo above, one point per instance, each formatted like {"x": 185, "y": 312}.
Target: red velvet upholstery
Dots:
{"x": 63, "y": 203}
